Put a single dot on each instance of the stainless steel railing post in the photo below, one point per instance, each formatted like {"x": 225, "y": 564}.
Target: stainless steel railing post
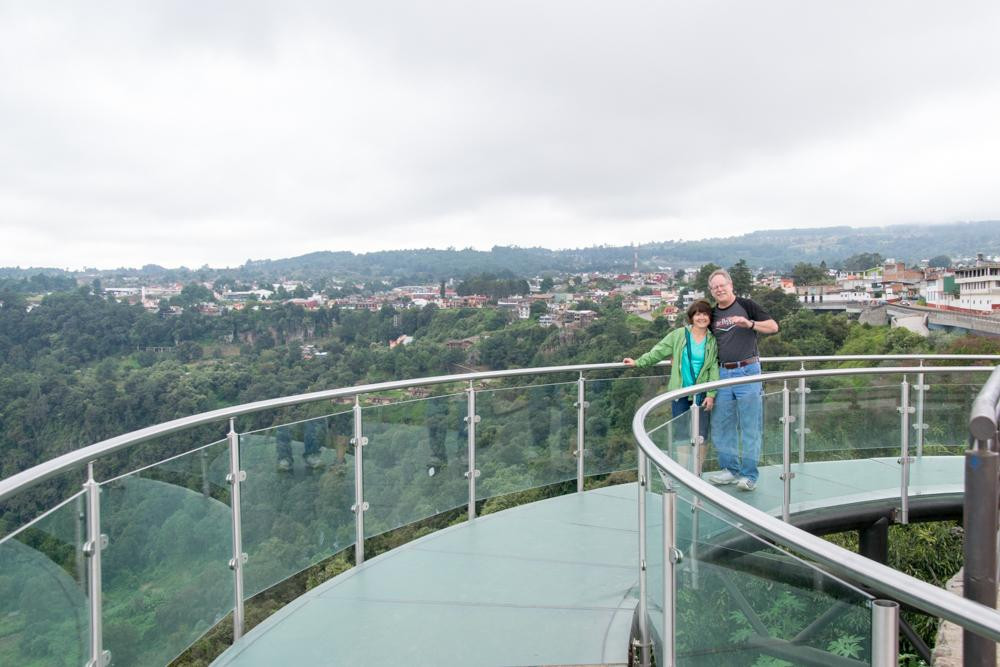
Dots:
{"x": 904, "y": 447}
{"x": 235, "y": 479}
{"x": 472, "y": 473}
{"x": 671, "y": 557}
{"x": 643, "y": 629}
{"x": 801, "y": 430}
{"x": 92, "y": 548}
{"x": 360, "y": 506}
{"x": 885, "y": 633}
{"x": 786, "y": 452}
{"x": 919, "y": 426}
{"x": 696, "y": 439}
{"x": 581, "y": 406}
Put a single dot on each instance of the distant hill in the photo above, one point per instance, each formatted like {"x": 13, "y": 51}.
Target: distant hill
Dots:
{"x": 770, "y": 249}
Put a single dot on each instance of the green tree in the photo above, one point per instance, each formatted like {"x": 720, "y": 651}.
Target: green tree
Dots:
{"x": 742, "y": 278}
{"x": 805, "y": 273}
{"x": 940, "y": 261}
{"x": 700, "y": 281}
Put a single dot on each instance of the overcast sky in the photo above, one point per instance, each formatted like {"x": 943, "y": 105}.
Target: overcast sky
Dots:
{"x": 190, "y": 133}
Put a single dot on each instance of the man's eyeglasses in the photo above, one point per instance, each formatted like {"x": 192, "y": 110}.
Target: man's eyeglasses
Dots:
{"x": 719, "y": 287}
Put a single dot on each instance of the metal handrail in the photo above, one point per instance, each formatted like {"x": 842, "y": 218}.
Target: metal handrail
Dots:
{"x": 986, "y": 409}
{"x": 845, "y": 564}
{"x": 79, "y": 457}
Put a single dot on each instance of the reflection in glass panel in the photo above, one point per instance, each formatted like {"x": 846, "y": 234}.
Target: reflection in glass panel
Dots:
{"x": 166, "y": 579}
{"x": 415, "y": 460}
{"x": 44, "y": 612}
{"x": 946, "y": 407}
{"x": 297, "y": 497}
{"x": 609, "y": 443}
{"x": 859, "y": 419}
{"x": 762, "y": 602}
{"x": 525, "y": 438}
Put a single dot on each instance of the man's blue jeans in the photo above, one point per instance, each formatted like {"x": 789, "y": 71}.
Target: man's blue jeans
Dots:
{"x": 739, "y": 408}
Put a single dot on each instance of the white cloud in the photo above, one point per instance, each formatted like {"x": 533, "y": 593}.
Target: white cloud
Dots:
{"x": 181, "y": 133}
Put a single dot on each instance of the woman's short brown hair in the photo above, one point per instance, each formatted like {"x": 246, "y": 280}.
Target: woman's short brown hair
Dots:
{"x": 699, "y": 306}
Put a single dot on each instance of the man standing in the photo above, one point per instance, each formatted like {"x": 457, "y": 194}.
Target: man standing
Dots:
{"x": 736, "y": 321}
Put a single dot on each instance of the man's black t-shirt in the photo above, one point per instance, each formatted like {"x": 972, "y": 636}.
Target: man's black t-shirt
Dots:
{"x": 736, "y": 343}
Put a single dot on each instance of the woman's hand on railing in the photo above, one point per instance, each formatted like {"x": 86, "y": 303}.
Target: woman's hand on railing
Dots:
{"x": 707, "y": 404}
{"x": 628, "y": 361}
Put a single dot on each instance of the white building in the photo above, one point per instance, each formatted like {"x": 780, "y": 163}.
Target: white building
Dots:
{"x": 979, "y": 286}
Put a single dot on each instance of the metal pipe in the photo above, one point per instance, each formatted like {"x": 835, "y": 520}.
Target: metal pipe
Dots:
{"x": 471, "y": 419}
{"x": 696, "y": 439}
{"x": 235, "y": 479}
{"x": 92, "y": 550}
{"x": 581, "y": 407}
{"x": 803, "y": 391}
{"x": 786, "y": 452}
{"x": 643, "y": 628}
{"x": 671, "y": 557}
{"x": 979, "y": 546}
{"x": 885, "y": 633}
{"x": 919, "y": 426}
{"x": 360, "y": 506}
{"x": 904, "y": 448}
{"x": 984, "y": 418}
{"x": 79, "y": 457}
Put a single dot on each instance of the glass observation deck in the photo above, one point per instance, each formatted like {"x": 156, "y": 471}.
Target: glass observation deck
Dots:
{"x": 128, "y": 551}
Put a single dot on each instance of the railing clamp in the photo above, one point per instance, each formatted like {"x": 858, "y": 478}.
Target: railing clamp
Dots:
{"x": 909, "y": 459}
{"x": 103, "y": 662}
{"x": 476, "y": 472}
{"x": 475, "y": 419}
{"x": 799, "y": 390}
{"x": 920, "y": 427}
{"x": 642, "y": 564}
{"x": 787, "y": 419}
{"x": 232, "y": 561}
{"x": 676, "y": 555}
{"x": 642, "y": 480}
{"x": 364, "y": 507}
{"x": 806, "y": 430}
{"x": 909, "y": 410}
{"x": 88, "y": 547}
{"x": 789, "y": 476}
{"x": 242, "y": 477}
{"x": 584, "y": 405}
{"x": 364, "y": 441}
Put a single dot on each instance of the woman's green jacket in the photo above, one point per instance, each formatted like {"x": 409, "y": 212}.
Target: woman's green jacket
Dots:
{"x": 672, "y": 346}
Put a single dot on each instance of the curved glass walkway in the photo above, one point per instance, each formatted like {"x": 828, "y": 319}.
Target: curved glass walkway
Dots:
{"x": 131, "y": 549}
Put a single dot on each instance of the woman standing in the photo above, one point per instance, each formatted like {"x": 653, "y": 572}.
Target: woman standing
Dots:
{"x": 694, "y": 357}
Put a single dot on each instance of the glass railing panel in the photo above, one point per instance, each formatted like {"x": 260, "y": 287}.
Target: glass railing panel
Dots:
{"x": 166, "y": 579}
{"x": 772, "y": 406}
{"x": 946, "y": 408}
{"x": 525, "y": 438}
{"x": 672, "y": 434}
{"x": 44, "y": 610}
{"x": 850, "y": 422}
{"x": 297, "y": 497}
{"x": 654, "y": 561}
{"x": 27, "y": 504}
{"x": 762, "y": 603}
{"x": 609, "y": 444}
{"x": 415, "y": 460}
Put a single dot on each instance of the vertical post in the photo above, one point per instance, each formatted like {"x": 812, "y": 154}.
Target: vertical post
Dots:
{"x": 803, "y": 391}
{"x": 786, "y": 452}
{"x": 581, "y": 406}
{"x": 80, "y": 539}
{"x": 671, "y": 556}
{"x": 235, "y": 479}
{"x": 904, "y": 446}
{"x": 979, "y": 546}
{"x": 696, "y": 439}
{"x": 472, "y": 473}
{"x": 206, "y": 488}
{"x": 919, "y": 426}
{"x": 92, "y": 550}
{"x": 360, "y": 506}
{"x": 643, "y": 630}
{"x": 885, "y": 633}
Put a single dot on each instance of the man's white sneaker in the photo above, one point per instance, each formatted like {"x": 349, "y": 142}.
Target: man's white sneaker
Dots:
{"x": 746, "y": 484}
{"x": 724, "y": 477}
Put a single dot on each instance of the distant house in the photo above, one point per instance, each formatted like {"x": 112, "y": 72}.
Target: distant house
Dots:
{"x": 402, "y": 340}
{"x": 462, "y": 343}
